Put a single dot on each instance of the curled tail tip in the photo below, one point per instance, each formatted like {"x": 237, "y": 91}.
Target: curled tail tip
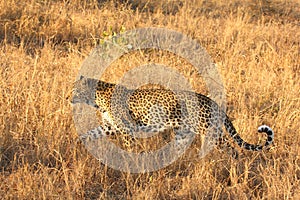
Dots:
{"x": 266, "y": 129}
{"x": 263, "y": 126}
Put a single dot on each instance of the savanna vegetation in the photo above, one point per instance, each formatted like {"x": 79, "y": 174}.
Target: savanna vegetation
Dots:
{"x": 254, "y": 43}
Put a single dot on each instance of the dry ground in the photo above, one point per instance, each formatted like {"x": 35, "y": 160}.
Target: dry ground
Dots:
{"x": 256, "y": 45}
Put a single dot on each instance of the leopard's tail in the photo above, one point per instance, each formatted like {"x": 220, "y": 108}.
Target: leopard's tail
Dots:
{"x": 252, "y": 147}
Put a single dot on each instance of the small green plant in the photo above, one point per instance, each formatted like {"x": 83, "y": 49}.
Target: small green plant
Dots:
{"x": 111, "y": 35}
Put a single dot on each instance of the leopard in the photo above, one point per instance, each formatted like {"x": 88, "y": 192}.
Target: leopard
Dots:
{"x": 148, "y": 110}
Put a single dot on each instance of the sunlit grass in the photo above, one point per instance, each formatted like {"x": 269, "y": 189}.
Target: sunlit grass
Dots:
{"x": 255, "y": 45}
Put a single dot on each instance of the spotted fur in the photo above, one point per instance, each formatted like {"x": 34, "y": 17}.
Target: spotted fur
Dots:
{"x": 126, "y": 111}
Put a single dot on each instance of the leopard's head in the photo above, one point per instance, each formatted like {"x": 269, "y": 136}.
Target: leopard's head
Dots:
{"x": 84, "y": 91}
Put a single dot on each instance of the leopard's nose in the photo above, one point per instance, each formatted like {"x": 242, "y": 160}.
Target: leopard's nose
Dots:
{"x": 69, "y": 96}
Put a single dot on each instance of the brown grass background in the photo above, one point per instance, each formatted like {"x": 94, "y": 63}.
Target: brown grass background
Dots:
{"x": 255, "y": 44}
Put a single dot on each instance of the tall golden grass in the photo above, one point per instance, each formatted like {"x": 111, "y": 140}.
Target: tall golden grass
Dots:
{"x": 255, "y": 44}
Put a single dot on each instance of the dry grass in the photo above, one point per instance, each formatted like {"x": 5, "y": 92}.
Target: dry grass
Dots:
{"x": 43, "y": 44}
